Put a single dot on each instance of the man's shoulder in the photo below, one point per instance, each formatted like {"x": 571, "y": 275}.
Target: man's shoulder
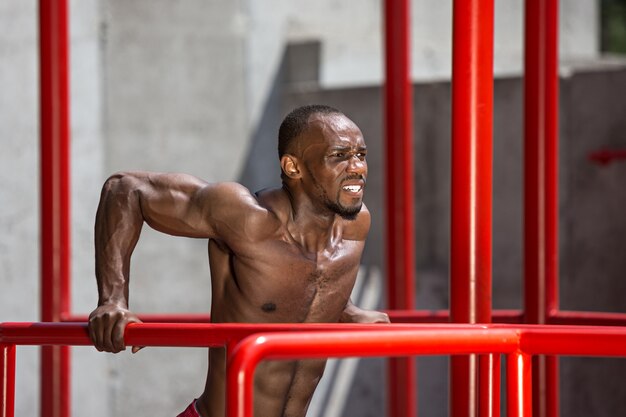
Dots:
{"x": 276, "y": 201}
{"x": 236, "y": 211}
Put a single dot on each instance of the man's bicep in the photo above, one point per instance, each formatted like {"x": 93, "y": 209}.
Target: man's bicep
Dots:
{"x": 183, "y": 205}
{"x": 175, "y": 204}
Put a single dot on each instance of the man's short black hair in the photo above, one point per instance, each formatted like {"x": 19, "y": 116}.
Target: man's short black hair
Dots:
{"x": 296, "y": 121}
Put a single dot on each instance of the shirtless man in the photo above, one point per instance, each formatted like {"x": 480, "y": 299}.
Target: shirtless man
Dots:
{"x": 285, "y": 255}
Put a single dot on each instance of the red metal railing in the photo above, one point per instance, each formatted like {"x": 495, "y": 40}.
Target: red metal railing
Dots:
{"x": 541, "y": 220}
{"x": 399, "y": 218}
{"x": 606, "y": 156}
{"x": 583, "y": 318}
{"x": 55, "y": 199}
{"x": 518, "y": 343}
{"x": 471, "y": 202}
{"x": 250, "y": 343}
{"x": 144, "y": 334}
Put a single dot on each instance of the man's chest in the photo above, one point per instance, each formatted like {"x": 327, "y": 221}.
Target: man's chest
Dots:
{"x": 289, "y": 284}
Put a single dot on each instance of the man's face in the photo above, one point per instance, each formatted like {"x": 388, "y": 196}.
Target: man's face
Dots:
{"x": 333, "y": 154}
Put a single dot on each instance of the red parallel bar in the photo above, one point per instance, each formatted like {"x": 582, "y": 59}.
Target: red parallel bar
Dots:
{"x": 55, "y": 199}
{"x": 472, "y": 119}
{"x": 187, "y": 334}
{"x": 519, "y": 392}
{"x": 588, "y": 318}
{"x": 251, "y": 350}
{"x": 396, "y": 316}
{"x": 417, "y": 316}
{"x": 443, "y": 316}
{"x": 606, "y": 156}
{"x": 541, "y": 120}
{"x": 400, "y": 247}
{"x": 533, "y": 339}
{"x": 7, "y": 380}
{"x": 574, "y": 340}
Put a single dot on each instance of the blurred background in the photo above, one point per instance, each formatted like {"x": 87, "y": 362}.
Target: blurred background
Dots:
{"x": 200, "y": 86}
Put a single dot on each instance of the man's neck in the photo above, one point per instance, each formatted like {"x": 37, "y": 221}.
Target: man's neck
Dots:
{"x": 315, "y": 228}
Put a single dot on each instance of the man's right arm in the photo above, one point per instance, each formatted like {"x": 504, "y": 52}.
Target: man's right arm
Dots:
{"x": 176, "y": 204}
{"x": 118, "y": 225}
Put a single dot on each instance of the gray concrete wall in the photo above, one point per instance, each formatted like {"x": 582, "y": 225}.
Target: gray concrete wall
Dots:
{"x": 593, "y": 231}
{"x": 19, "y": 249}
{"x": 350, "y": 32}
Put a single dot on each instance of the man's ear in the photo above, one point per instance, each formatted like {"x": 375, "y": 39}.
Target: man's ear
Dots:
{"x": 290, "y": 167}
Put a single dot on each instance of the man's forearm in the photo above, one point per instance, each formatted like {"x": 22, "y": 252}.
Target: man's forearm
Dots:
{"x": 118, "y": 225}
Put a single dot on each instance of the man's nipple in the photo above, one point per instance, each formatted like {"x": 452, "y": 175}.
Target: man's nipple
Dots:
{"x": 268, "y": 307}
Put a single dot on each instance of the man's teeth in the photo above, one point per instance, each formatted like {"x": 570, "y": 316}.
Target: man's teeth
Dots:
{"x": 352, "y": 188}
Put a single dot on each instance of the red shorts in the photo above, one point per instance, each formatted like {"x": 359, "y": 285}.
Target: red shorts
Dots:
{"x": 190, "y": 411}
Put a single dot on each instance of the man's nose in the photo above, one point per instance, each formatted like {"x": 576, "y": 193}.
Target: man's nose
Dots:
{"x": 357, "y": 165}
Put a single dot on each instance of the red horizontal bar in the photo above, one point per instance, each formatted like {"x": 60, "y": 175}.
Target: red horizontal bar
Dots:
{"x": 574, "y": 340}
{"x": 396, "y": 316}
{"x": 341, "y": 340}
{"x": 253, "y": 349}
{"x": 184, "y": 334}
{"x": 534, "y": 339}
{"x": 581, "y": 318}
{"x": 587, "y": 318}
{"x": 520, "y": 340}
{"x": 606, "y": 156}
{"x": 443, "y": 316}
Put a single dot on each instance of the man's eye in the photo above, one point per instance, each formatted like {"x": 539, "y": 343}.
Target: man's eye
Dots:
{"x": 339, "y": 154}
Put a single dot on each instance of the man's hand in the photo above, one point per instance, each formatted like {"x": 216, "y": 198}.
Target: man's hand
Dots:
{"x": 354, "y": 314}
{"x": 106, "y": 327}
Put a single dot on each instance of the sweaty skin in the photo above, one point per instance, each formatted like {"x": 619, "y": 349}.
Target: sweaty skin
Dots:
{"x": 285, "y": 255}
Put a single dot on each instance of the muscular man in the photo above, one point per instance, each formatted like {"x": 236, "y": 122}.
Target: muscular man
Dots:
{"x": 285, "y": 255}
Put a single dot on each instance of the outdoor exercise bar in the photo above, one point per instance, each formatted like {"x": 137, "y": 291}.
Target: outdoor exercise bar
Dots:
{"x": 541, "y": 219}
{"x": 291, "y": 341}
{"x": 582, "y": 318}
{"x": 55, "y": 199}
{"x": 518, "y": 342}
{"x": 399, "y": 225}
{"x": 471, "y": 203}
{"x": 155, "y": 334}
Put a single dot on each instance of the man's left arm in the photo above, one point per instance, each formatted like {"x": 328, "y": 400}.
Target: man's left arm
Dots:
{"x": 354, "y": 314}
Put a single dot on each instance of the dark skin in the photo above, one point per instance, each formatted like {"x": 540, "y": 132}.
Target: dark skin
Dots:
{"x": 286, "y": 255}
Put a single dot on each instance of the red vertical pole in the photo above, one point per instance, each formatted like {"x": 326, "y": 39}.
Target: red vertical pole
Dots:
{"x": 7, "y": 380}
{"x": 470, "y": 251}
{"x": 399, "y": 185}
{"x": 519, "y": 391}
{"x": 489, "y": 390}
{"x": 541, "y": 130}
{"x": 55, "y": 198}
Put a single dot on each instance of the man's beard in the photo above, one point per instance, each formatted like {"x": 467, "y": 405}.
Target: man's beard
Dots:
{"x": 346, "y": 213}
